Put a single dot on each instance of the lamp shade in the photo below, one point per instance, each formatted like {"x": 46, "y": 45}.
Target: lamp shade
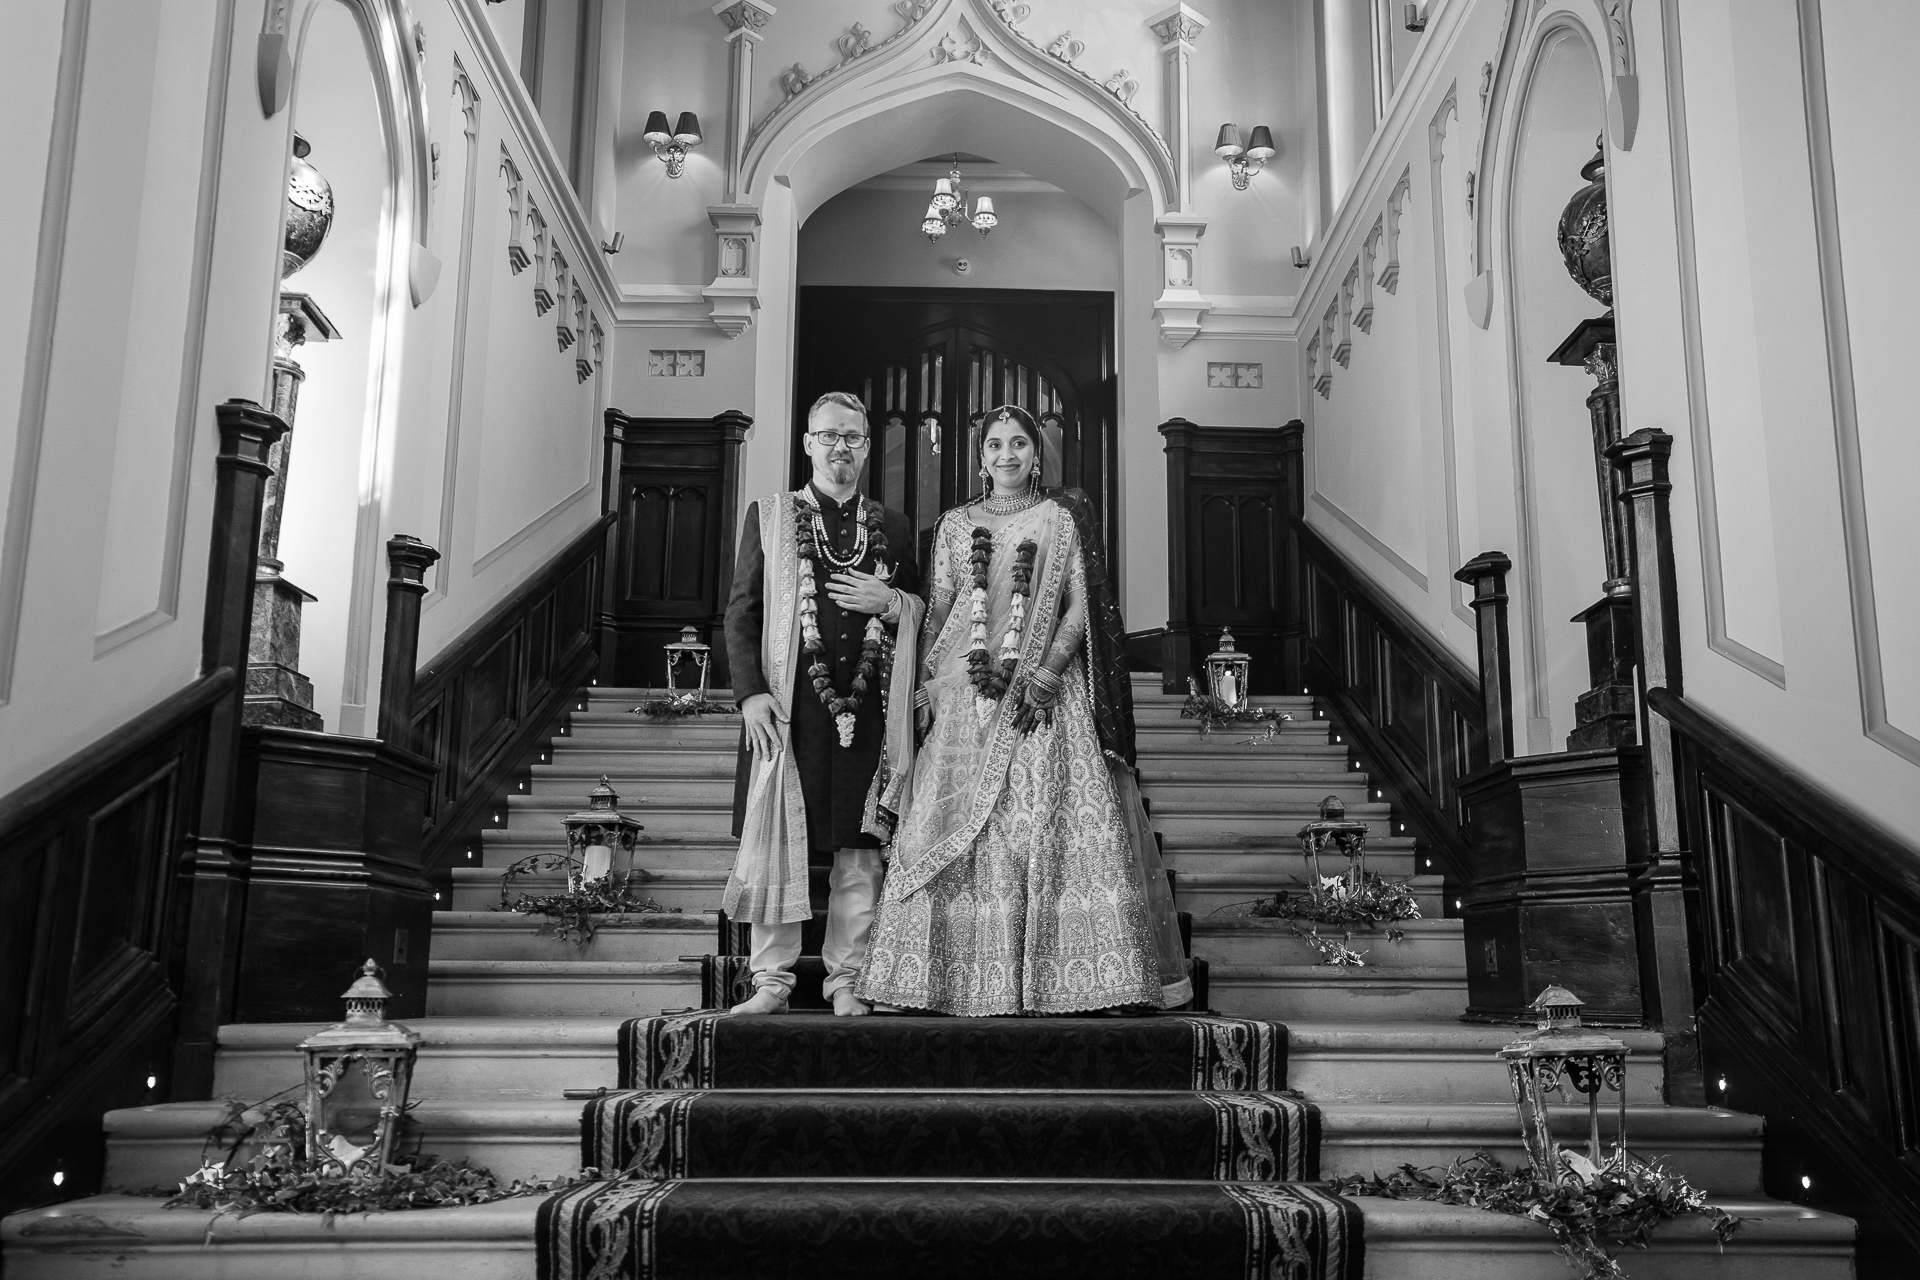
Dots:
{"x": 943, "y": 194}
{"x": 983, "y": 205}
{"x": 687, "y": 132}
{"x": 1260, "y": 146}
{"x": 656, "y": 131}
{"x": 1229, "y": 145}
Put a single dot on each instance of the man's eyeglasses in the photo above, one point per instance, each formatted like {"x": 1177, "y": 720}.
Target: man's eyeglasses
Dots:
{"x": 828, "y": 439}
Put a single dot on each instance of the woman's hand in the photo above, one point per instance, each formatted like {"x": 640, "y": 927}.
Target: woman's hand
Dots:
{"x": 923, "y": 712}
{"x": 763, "y": 733}
{"x": 1037, "y": 701}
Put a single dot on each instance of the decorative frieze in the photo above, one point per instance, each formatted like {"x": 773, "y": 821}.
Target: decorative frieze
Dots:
{"x": 537, "y": 235}
{"x": 676, "y": 364}
{"x": 1234, "y": 375}
{"x": 595, "y": 352}
{"x": 1389, "y": 278}
{"x": 562, "y": 329}
{"x": 1369, "y": 254}
{"x": 1343, "y": 345}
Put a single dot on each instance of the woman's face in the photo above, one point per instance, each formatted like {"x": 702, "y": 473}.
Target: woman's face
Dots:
{"x": 1007, "y": 454}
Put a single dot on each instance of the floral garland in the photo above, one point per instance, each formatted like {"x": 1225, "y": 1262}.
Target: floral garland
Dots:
{"x": 843, "y": 708}
{"x": 990, "y": 681}
{"x": 570, "y": 915}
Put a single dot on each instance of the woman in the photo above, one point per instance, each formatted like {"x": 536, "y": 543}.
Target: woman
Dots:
{"x": 1023, "y": 877}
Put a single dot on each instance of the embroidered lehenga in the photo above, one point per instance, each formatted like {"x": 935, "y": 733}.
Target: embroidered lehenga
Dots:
{"x": 1022, "y": 876}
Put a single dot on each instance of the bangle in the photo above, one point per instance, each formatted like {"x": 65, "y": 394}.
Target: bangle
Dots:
{"x": 1047, "y": 679}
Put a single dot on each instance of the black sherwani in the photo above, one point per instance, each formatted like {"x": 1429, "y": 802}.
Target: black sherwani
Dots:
{"x": 833, "y": 779}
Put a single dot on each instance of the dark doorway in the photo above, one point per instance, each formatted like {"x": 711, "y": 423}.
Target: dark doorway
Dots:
{"x": 929, "y": 363}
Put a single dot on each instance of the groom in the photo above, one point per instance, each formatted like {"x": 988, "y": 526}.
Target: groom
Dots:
{"x": 820, "y": 585}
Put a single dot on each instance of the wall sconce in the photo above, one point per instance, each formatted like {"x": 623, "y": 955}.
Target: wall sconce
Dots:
{"x": 672, "y": 147}
{"x": 614, "y": 245}
{"x": 1301, "y": 260}
{"x": 1416, "y": 18}
{"x": 1244, "y": 159}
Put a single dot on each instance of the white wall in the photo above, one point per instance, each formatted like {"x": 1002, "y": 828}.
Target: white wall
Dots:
{"x": 1763, "y": 323}
{"x": 149, "y": 297}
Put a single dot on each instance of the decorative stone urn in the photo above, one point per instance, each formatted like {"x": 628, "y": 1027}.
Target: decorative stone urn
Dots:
{"x": 1583, "y": 233}
{"x": 309, "y": 210}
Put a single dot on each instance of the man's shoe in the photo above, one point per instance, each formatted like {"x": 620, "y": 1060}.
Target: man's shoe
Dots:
{"x": 848, "y": 1005}
{"x": 765, "y": 1000}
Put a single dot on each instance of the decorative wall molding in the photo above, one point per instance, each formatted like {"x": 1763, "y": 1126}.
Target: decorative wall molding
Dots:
{"x": 663, "y": 306}
{"x": 734, "y": 292}
{"x": 1181, "y": 305}
{"x": 1241, "y": 317}
{"x": 469, "y": 98}
{"x": 1700, "y": 432}
{"x": 1437, "y": 206}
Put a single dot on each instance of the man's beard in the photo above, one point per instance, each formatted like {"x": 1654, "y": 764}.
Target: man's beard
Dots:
{"x": 840, "y": 470}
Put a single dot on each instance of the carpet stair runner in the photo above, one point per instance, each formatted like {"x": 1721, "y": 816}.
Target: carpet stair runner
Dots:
{"x": 1003, "y": 1147}
{"x": 806, "y": 1145}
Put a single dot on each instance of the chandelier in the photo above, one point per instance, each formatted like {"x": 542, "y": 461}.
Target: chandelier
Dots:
{"x": 949, "y": 208}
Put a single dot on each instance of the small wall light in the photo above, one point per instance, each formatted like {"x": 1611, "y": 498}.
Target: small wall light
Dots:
{"x": 1244, "y": 158}
{"x": 614, "y": 245}
{"x": 1416, "y": 18}
{"x": 1300, "y": 259}
{"x": 672, "y": 147}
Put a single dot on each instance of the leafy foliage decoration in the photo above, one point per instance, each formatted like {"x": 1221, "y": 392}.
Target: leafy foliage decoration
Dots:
{"x": 1590, "y": 1207}
{"x": 1212, "y": 713}
{"x": 569, "y": 916}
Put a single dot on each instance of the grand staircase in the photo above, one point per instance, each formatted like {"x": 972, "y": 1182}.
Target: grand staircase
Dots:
{"x": 979, "y": 1147}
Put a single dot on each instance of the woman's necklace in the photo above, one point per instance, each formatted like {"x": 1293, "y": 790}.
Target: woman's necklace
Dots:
{"x": 995, "y": 505}
{"x": 990, "y": 681}
{"x": 811, "y": 541}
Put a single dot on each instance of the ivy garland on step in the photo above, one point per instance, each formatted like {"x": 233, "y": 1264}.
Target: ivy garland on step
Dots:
{"x": 1373, "y": 901}
{"x": 810, "y": 542}
{"x": 255, "y": 1161}
{"x": 681, "y": 705}
{"x": 1212, "y": 713}
{"x": 570, "y": 915}
{"x": 990, "y": 681}
{"x": 1618, "y": 1203}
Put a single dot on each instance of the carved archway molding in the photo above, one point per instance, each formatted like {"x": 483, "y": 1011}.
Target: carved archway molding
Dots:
{"x": 1608, "y": 25}
{"x": 959, "y": 55}
{"x": 396, "y": 57}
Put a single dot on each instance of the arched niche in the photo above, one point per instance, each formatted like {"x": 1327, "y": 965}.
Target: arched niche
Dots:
{"x": 1028, "y": 112}
{"x": 343, "y": 437}
{"x": 1560, "y": 111}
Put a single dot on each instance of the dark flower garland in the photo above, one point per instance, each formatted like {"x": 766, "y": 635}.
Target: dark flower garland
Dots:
{"x": 990, "y": 680}
{"x": 1374, "y": 900}
{"x": 843, "y": 708}
{"x": 683, "y": 704}
{"x": 277, "y": 1177}
{"x": 1212, "y": 713}
{"x": 569, "y": 915}
{"x": 1620, "y": 1202}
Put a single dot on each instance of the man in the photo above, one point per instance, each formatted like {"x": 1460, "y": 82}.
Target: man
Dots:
{"x": 817, "y": 566}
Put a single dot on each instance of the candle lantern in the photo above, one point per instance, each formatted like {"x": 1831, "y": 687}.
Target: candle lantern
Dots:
{"x": 1558, "y": 1053}
{"x": 1334, "y": 832}
{"x": 595, "y": 832}
{"x": 1227, "y": 674}
{"x": 688, "y": 647}
{"x": 358, "y": 1073}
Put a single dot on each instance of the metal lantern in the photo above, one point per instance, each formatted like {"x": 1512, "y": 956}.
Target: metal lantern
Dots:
{"x": 358, "y": 1073}
{"x": 1227, "y": 673}
{"x": 1558, "y": 1053}
{"x": 689, "y": 647}
{"x": 595, "y": 832}
{"x": 1333, "y": 831}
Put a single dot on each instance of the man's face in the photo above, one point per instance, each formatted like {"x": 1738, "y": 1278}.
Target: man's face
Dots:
{"x": 836, "y": 463}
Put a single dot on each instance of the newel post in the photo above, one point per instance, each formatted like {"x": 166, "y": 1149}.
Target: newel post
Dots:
{"x": 1176, "y": 645}
{"x": 1486, "y": 573}
{"x": 1664, "y": 888}
{"x": 408, "y": 560}
{"x": 215, "y": 869}
{"x": 612, "y": 499}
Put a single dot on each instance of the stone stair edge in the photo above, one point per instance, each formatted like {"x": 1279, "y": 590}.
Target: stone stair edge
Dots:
{"x": 660, "y": 921}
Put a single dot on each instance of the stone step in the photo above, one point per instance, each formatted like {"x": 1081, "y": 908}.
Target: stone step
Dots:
{"x": 1288, "y": 794}
{"x": 507, "y": 935}
{"x": 1229, "y": 941}
{"x": 624, "y": 696}
{"x": 639, "y": 797}
{"x": 692, "y": 888}
{"x": 566, "y": 988}
{"x": 1405, "y": 1240}
{"x": 1205, "y": 892}
{"x": 1388, "y": 1060}
{"x": 1412, "y": 1063}
{"x": 614, "y": 731}
{"x": 1192, "y": 817}
{"x": 1277, "y": 861}
{"x": 501, "y": 847}
{"x": 637, "y": 762}
{"x": 1163, "y": 744}
{"x": 1323, "y": 992}
{"x": 663, "y": 822}
{"x": 1716, "y": 1150}
{"x": 1251, "y": 766}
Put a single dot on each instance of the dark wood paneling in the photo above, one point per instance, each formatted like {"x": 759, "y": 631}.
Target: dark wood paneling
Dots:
{"x": 94, "y": 862}
{"x": 485, "y": 705}
{"x": 1811, "y": 1008}
{"x": 676, "y": 483}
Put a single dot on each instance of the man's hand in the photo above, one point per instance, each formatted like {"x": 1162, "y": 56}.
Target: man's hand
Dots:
{"x": 763, "y": 734}
{"x": 859, "y": 592}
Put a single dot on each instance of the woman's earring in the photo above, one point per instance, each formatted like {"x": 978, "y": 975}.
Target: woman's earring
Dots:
{"x": 984, "y": 474}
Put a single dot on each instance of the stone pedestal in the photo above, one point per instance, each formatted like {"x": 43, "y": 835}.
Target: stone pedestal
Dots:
{"x": 277, "y": 693}
{"x": 1605, "y": 715}
{"x": 1557, "y": 842}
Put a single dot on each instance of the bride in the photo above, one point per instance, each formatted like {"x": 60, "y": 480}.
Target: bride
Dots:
{"x": 1023, "y": 877}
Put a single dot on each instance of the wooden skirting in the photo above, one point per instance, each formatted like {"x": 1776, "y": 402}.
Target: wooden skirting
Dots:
{"x": 485, "y": 705}
{"x": 93, "y": 890}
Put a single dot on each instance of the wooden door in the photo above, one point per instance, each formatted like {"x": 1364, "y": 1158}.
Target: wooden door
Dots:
{"x": 930, "y": 363}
